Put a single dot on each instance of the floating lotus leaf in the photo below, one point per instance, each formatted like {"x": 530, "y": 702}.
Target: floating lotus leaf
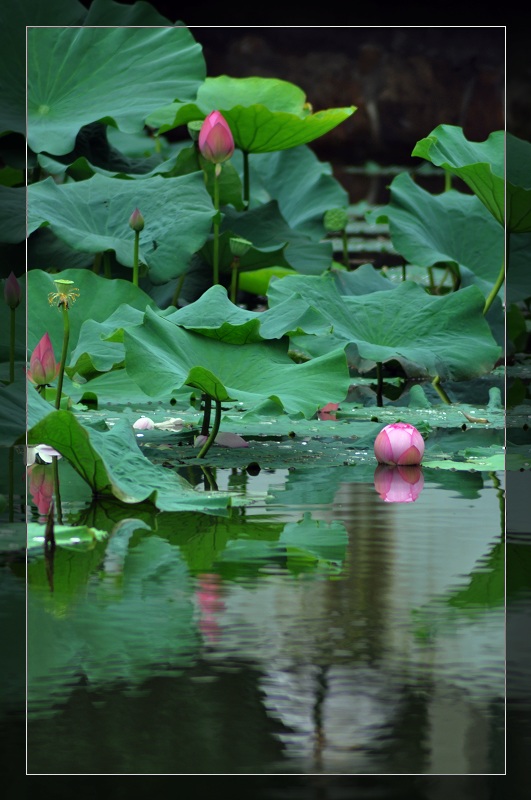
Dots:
{"x": 137, "y": 70}
{"x": 161, "y": 356}
{"x": 482, "y": 165}
{"x": 445, "y": 336}
{"x": 112, "y": 464}
{"x": 264, "y": 114}
{"x": 93, "y": 215}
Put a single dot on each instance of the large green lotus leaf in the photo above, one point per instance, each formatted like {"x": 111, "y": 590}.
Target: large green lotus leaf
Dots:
{"x": 98, "y": 299}
{"x": 137, "y": 69}
{"x": 265, "y": 227}
{"x": 482, "y": 165}
{"x": 93, "y": 216}
{"x": 112, "y": 463}
{"x": 264, "y": 114}
{"x": 452, "y": 226}
{"x": 160, "y": 357}
{"x": 363, "y": 280}
{"x": 273, "y": 176}
{"x": 214, "y": 315}
{"x": 518, "y": 284}
{"x": 445, "y": 336}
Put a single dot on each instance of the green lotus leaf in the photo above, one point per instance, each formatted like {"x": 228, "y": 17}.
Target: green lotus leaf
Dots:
{"x": 137, "y": 70}
{"x": 13, "y": 219}
{"x": 450, "y": 227}
{"x": 481, "y": 165}
{"x": 214, "y": 315}
{"x": 99, "y": 298}
{"x": 264, "y": 114}
{"x": 108, "y": 13}
{"x": 266, "y": 228}
{"x": 93, "y": 215}
{"x": 78, "y": 537}
{"x": 161, "y": 356}
{"x": 112, "y": 464}
{"x": 273, "y": 176}
{"x": 445, "y": 336}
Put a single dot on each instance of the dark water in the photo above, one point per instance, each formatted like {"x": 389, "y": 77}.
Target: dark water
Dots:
{"x": 352, "y": 637}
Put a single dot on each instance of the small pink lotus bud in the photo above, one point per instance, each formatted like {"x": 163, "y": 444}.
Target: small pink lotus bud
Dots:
{"x": 12, "y": 291}
{"x": 43, "y": 367}
{"x": 399, "y": 443}
{"x": 216, "y": 142}
{"x": 41, "y": 486}
{"x": 136, "y": 221}
{"x": 398, "y": 484}
{"x": 144, "y": 424}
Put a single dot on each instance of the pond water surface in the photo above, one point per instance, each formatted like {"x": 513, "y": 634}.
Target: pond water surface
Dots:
{"x": 311, "y": 632}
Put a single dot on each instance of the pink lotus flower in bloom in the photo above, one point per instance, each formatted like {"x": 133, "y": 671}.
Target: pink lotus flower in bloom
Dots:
{"x": 399, "y": 443}
{"x": 43, "y": 366}
{"x": 398, "y": 484}
{"x": 12, "y": 291}
{"x": 216, "y": 142}
{"x": 41, "y": 486}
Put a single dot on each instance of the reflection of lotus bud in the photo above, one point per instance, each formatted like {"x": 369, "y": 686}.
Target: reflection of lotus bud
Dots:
{"x": 399, "y": 443}
{"x": 12, "y": 291}
{"x": 41, "y": 486}
{"x": 43, "y": 368}
{"x": 136, "y": 221}
{"x": 215, "y": 138}
{"x": 335, "y": 220}
{"x": 398, "y": 484}
{"x": 238, "y": 246}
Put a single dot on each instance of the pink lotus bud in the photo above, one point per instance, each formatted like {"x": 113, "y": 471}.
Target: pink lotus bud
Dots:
{"x": 41, "y": 486}
{"x": 43, "y": 366}
{"x": 399, "y": 443}
{"x": 216, "y": 143}
{"x": 144, "y": 424}
{"x": 398, "y": 484}
{"x": 136, "y": 221}
{"x": 12, "y": 291}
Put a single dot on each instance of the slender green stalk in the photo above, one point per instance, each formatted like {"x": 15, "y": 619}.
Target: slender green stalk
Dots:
{"x": 107, "y": 264}
{"x": 495, "y": 289}
{"x": 379, "y": 384}
{"x": 436, "y": 383}
{"x": 404, "y": 271}
{"x": 56, "y": 491}
{"x": 11, "y": 483}
{"x": 135, "y": 258}
{"x": 12, "y": 346}
{"x": 214, "y": 432}
{"x": 177, "y": 292}
{"x": 447, "y": 180}
{"x": 432, "y": 282}
{"x": 246, "y": 191}
{"x": 66, "y": 337}
{"x": 346, "y": 259}
{"x": 215, "y": 260}
{"x": 209, "y": 479}
{"x": 207, "y": 400}
{"x": 234, "y": 279}
{"x": 501, "y": 498}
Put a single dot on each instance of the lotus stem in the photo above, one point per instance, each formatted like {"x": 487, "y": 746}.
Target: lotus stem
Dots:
{"x": 404, "y": 277}
{"x": 495, "y": 289}
{"x": 12, "y": 345}
{"x": 66, "y": 337}
{"x": 234, "y": 279}
{"x": 379, "y": 384}
{"x": 246, "y": 191}
{"x": 215, "y": 259}
{"x": 447, "y": 180}
{"x": 135, "y": 258}
{"x": 178, "y": 288}
{"x": 107, "y": 264}
{"x": 346, "y": 259}
{"x": 436, "y": 383}
{"x": 209, "y": 478}
{"x": 206, "y": 414}
{"x": 11, "y": 483}
{"x": 97, "y": 264}
{"x": 214, "y": 432}
{"x": 56, "y": 489}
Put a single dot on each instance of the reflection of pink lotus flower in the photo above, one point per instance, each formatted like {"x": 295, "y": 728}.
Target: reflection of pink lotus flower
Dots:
{"x": 43, "y": 367}
{"x": 41, "y": 486}
{"x": 399, "y": 443}
{"x": 398, "y": 484}
{"x": 215, "y": 138}
{"x": 208, "y": 594}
